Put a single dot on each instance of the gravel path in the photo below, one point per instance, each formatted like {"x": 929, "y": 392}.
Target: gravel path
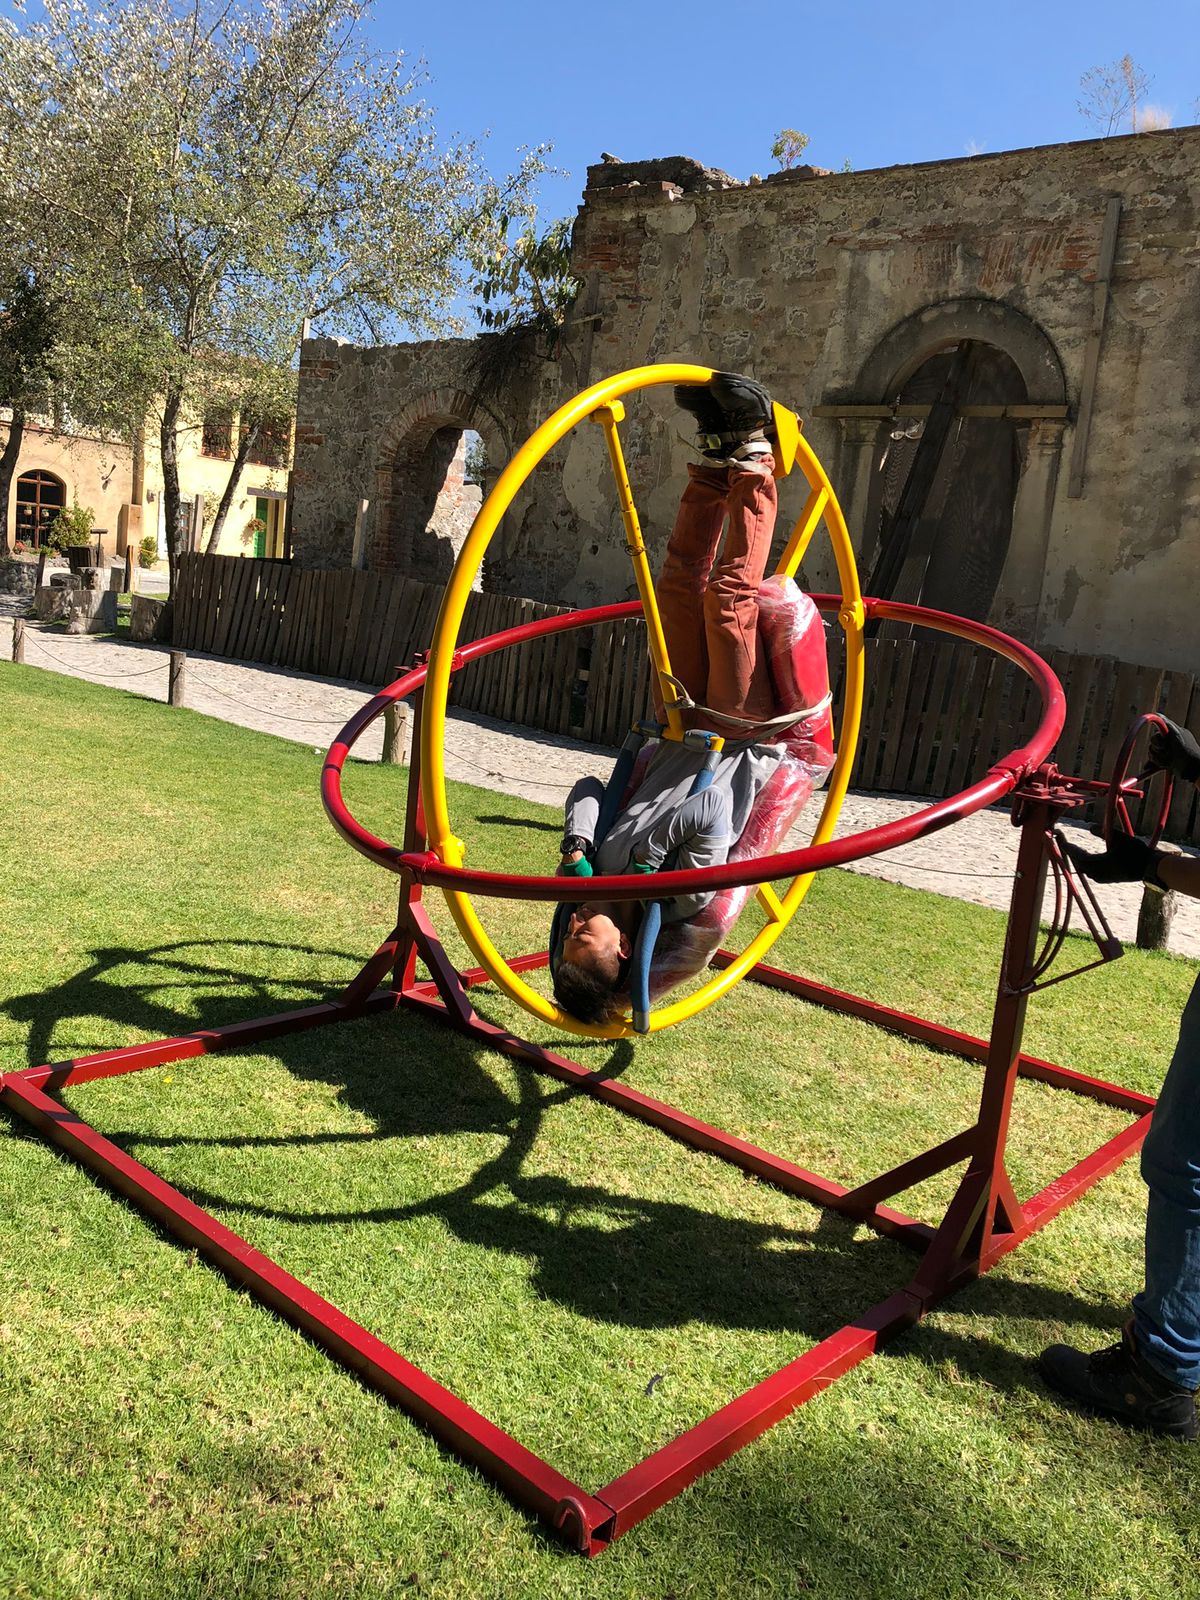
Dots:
{"x": 973, "y": 860}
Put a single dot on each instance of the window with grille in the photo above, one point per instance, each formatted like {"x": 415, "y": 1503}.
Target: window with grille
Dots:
{"x": 217, "y": 434}
{"x": 40, "y": 496}
{"x": 270, "y": 449}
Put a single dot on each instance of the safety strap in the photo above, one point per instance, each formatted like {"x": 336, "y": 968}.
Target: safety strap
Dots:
{"x": 652, "y": 917}
{"x": 773, "y": 725}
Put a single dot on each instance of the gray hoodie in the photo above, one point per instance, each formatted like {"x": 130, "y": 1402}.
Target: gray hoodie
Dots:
{"x": 662, "y": 815}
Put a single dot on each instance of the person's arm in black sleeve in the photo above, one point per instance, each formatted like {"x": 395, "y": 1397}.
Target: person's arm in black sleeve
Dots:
{"x": 1129, "y": 859}
{"x": 1173, "y": 749}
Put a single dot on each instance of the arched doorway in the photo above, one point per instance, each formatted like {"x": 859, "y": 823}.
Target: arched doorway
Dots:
{"x": 950, "y": 438}
{"x": 427, "y": 490}
{"x": 940, "y": 524}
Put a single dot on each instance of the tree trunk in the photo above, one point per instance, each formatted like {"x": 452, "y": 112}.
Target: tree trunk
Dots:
{"x": 8, "y": 470}
{"x": 169, "y": 444}
{"x": 246, "y": 440}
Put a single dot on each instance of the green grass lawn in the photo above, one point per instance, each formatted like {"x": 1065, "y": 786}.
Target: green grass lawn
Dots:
{"x": 583, "y": 1280}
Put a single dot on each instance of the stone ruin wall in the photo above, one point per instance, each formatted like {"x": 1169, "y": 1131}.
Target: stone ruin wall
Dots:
{"x": 829, "y": 288}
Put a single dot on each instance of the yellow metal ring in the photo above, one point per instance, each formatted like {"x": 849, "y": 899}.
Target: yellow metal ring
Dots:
{"x": 822, "y": 506}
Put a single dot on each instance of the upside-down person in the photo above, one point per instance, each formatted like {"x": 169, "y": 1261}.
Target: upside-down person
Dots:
{"x": 712, "y": 602}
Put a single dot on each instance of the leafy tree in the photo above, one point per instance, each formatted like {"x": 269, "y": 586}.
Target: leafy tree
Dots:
{"x": 789, "y": 145}
{"x": 476, "y": 464}
{"x": 221, "y": 172}
{"x": 261, "y": 396}
{"x": 526, "y": 281}
{"x": 28, "y": 335}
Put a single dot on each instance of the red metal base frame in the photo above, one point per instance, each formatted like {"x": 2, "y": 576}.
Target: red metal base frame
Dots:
{"x": 983, "y": 1222}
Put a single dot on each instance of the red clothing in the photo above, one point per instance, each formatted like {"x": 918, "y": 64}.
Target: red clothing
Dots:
{"x": 709, "y": 606}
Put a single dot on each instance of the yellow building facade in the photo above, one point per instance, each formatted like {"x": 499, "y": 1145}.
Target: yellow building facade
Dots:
{"x": 122, "y": 485}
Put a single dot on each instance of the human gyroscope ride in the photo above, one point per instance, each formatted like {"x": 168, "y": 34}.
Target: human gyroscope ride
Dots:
{"x": 985, "y": 1218}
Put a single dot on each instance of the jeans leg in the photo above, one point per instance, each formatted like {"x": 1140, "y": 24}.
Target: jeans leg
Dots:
{"x": 1167, "y": 1311}
{"x": 681, "y": 583}
{"x": 738, "y": 681}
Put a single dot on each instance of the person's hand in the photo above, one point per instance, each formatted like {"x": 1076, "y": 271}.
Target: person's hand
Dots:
{"x": 1174, "y": 749}
{"x": 1127, "y": 859}
{"x": 574, "y": 865}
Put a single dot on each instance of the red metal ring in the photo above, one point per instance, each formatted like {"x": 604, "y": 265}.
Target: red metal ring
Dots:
{"x": 1121, "y": 785}
{"x": 426, "y": 868}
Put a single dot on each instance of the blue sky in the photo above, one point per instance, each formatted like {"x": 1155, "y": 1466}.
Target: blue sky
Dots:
{"x": 871, "y": 83}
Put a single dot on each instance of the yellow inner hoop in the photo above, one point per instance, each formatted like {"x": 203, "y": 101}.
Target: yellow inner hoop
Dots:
{"x": 602, "y": 402}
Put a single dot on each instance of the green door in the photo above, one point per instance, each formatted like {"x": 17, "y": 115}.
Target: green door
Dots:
{"x": 260, "y": 533}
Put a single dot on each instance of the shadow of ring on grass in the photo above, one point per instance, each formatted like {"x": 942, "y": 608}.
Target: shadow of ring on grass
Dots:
{"x": 617, "y": 1252}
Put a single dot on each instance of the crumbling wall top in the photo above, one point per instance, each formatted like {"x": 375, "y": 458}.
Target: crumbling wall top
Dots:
{"x": 682, "y": 172}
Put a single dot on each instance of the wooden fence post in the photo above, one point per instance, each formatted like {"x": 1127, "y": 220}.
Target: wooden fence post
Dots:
{"x": 395, "y": 726}
{"x": 1155, "y": 915}
{"x": 176, "y": 678}
{"x": 18, "y": 645}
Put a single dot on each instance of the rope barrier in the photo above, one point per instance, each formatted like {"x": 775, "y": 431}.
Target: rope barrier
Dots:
{"x": 115, "y": 677}
{"x": 280, "y": 716}
{"x": 943, "y": 872}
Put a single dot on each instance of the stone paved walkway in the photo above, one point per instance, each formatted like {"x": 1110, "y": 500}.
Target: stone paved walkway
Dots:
{"x": 973, "y": 860}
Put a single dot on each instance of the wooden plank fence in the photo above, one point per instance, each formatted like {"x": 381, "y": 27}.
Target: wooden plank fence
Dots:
{"x": 938, "y": 711}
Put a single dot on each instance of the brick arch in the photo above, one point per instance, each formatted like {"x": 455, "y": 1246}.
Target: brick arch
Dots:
{"x": 1019, "y": 539}
{"x": 402, "y": 448}
{"x": 910, "y": 344}
{"x": 421, "y": 418}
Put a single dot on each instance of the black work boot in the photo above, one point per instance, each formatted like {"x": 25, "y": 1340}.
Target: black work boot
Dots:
{"x": 734, "y": 415}
{"x": 1119, "y": 1382}
{"x": 744, "y": 404}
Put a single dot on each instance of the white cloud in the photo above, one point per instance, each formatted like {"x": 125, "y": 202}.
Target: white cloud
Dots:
{"x": 1150, "y": 118}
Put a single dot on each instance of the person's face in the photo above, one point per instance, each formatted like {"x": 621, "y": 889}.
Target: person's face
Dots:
{"x": 594, "y": 940}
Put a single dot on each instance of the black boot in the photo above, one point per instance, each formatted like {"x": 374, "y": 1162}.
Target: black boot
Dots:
{"x": 734, "y": 415}
{"x": 1119, "y": 1382}
{"x": 744, "y": 404}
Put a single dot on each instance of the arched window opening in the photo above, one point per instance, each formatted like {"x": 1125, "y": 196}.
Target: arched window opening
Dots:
{"x": 40, "y": 496}
{"x": 434, "y": 502}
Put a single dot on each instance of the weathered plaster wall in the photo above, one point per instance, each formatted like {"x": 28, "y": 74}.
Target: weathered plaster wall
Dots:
{"x": 830, "y": 289}
{"x": 368, "y": 420}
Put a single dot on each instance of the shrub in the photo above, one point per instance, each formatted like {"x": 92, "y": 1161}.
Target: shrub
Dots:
{"x": 71, "y": 527}
{"x": 148, "y": 551}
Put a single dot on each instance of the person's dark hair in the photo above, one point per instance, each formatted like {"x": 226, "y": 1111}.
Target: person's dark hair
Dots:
{"x": 588, "y": 995}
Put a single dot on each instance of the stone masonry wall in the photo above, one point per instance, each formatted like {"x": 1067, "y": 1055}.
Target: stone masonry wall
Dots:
{"x": 831, "y": 289}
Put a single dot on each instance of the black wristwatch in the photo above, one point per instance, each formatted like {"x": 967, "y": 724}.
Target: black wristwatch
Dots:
{"x": 572, "y": 842}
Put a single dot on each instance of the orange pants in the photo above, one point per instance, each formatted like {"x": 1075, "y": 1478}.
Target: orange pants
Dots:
{"x": 709, "y": 606}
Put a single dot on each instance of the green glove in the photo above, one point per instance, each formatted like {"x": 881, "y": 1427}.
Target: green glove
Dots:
{"x": 579, "y": 869}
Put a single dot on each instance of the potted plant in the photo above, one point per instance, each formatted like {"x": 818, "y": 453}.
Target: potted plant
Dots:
{"x": 70, "y": 533}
